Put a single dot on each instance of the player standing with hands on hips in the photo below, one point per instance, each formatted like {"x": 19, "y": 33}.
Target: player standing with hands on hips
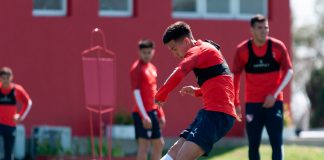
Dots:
{"x": 268, "y": 69}
{"x": 148, "y": 119}
{"x": 10, "y": 94}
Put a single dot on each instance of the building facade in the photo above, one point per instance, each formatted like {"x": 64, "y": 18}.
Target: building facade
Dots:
{"x": 42, "y": 41}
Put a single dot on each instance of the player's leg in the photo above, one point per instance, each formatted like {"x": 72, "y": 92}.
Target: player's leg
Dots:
{"x": 157, "y": 148}
{"x": 143, "y": 149}
{"x": 254, "y": 126}
{"x": 142, "y": 137}
{"x": 2, "y": 136}
{"x": 274, "y": 126}
{"x": 8, "y": 134}
{"x": 173, "y": 151}
{"x": 209, "y": 128}
{"x": 156, "y": 139}
{"x": 190, "y": 151}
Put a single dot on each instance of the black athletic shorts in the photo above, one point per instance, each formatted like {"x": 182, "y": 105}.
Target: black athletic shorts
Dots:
{"x": 207, "y": 128}
{"x": 141, "y": 132}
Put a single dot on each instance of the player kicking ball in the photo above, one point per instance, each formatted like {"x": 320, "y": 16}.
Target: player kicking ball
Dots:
{"x": 216, "y": 88}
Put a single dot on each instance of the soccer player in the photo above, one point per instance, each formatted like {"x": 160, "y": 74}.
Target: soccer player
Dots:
{"x": 268, "y": 70}
{"x": 216, "y": 88}
{"x": 10, "y": 94}
{"x": 148, "y": 119}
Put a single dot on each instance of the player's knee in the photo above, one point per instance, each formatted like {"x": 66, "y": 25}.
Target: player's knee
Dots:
{"x": 143, "y": 148}
{"x": 277, "y": 148}
{"x": 254, "y": 147}
{"x": 254, "y": 144}
{"x": 173, "y": 151}
{"x": 157, "y": 149}
{"x": 159, "y": 143}
{"x": 276, "y": 144}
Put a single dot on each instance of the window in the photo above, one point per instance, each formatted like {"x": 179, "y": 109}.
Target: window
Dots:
{"x": 251, "y": 7}
{"x": 184, "y": 8}
{"x": 222, "y": 9}
{"x": 218, "y": 6}
{"x": 116, "y": 8}
{"x": 217, "y": 9}
{"x": 49, "y": 7}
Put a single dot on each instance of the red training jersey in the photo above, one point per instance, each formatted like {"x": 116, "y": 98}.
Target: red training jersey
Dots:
{"x": 143, "y": 77}
{"x": 217, "y": 92}
{"x": 259, "y": 85}
{"x": 7, "y": 110}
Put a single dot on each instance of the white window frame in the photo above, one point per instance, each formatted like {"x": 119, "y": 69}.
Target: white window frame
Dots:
{"x": 229, "y": 15}
{"x": 233, "y": 14}
{"x": 51, "y": 13}
{"x": 248, "y": 16}
{"x": 196, "y": 14}
{"x": 112, "y": 13}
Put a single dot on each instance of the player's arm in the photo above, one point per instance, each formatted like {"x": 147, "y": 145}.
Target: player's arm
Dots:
{"x": 271, "y": 98}
{"x": 237, "y": 69}
{"x": 136, "y": 78}
{"x": 286, "y": 68}
{"x": 24, "y": 98}
{"x": 139, "y": 102}
{"x": 161, "y": 117}
{"x": 175, "y": 78}
{"x": 285, "y": 81}
{"x": 198, "y": 92}
{"x": 160, "y": 113}
{"x": 191, "y": 90}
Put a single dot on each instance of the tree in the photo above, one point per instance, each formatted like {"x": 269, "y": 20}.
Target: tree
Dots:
{"x": 308, "y": 62}
{"x": 315, "y": 91}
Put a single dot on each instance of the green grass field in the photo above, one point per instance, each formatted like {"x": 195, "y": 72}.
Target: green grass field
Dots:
{"x": 292, "y": 152}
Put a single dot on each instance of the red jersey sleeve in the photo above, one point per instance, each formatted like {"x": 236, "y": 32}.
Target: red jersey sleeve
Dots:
{"x": 185, "y": 66}
{"x": 240, "y": 60}
{"x": 136, "y": 77}
{"x": 23, "y": 97}
{"x": 174, "y": 79}
{"x": 198, "y": 93}
{"x": 237, "y": 78}
{"x": 285, "y": 62}
{"x": 188, "y": 63}
{"x": 285, "y": 59}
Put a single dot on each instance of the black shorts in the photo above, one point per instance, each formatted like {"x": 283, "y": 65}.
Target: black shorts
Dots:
{"x": 141, "y": 132}
{"x": 207, "y": 128}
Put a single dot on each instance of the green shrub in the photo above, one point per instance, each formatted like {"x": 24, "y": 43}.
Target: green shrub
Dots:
{"x": 123, "y": 118}
{"x": 315, "y": 92}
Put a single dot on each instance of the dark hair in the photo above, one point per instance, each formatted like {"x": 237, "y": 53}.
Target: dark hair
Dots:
{"x": 5, "y": 71}
{"x": 177, "y": 31}
{"x": 257, "y": 18}
{"x": 145, "y": 43}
